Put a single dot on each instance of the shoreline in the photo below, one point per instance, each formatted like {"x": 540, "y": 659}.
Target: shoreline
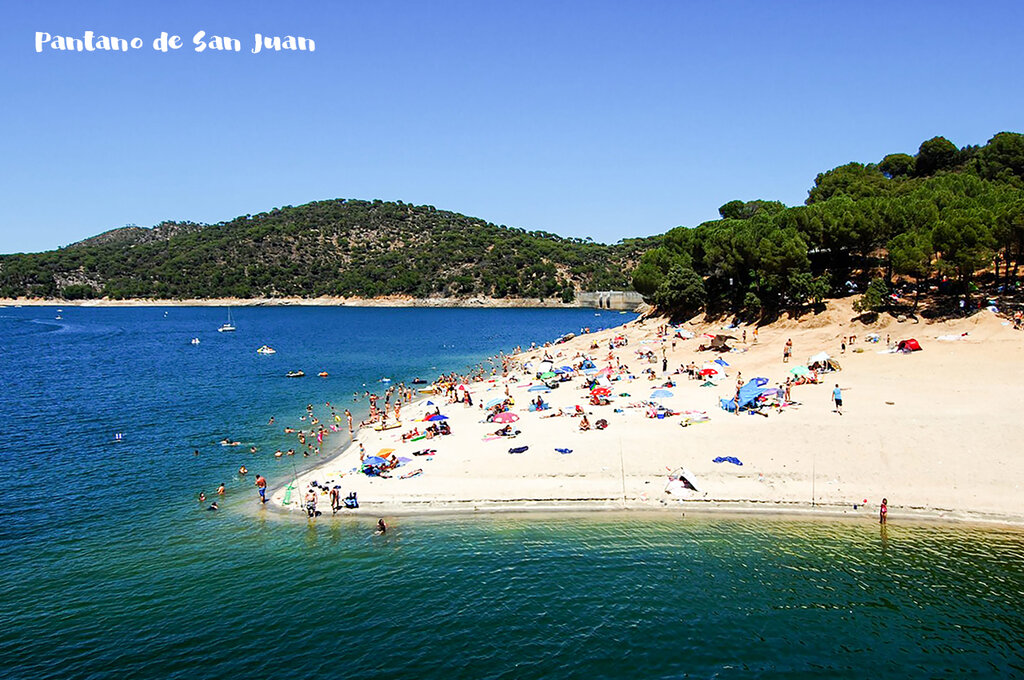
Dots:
{"x": 697, "y": 508}
{"x": 930, "y": 469}
{"x": 325, "y": 301}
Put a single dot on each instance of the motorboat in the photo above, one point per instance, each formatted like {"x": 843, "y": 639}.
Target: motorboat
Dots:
{"x": 295, "y": 374}
{"x": 322, "y": 374}
{"x": 266, "y": 349}
{"x": 194, "y": 341}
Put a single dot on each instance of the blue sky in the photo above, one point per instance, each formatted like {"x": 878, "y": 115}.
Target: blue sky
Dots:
{"x": 600, "y": 119}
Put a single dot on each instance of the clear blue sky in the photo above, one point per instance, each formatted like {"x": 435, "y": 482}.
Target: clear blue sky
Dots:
{"x": 601, "y": 119}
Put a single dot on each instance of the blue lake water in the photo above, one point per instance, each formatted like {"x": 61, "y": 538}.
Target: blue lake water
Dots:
{"x": 112, "y": 569}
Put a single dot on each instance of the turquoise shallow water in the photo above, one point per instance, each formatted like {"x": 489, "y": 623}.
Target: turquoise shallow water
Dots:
{"x": 111, "y": 569}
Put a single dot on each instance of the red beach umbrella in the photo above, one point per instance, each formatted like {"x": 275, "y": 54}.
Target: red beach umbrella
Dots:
{"x": 601, "y": 392}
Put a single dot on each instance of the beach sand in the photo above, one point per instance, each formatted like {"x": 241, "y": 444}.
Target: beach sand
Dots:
{"x": 936, "y": 432}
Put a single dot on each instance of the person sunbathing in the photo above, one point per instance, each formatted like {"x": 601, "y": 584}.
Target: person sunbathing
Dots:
{"x": 504, "y": 431}
{"x": 584, "y": 424}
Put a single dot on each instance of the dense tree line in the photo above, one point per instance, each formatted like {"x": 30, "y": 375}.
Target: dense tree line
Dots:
{"x": 945, "y": 213}
{"x": 339, "y": 247}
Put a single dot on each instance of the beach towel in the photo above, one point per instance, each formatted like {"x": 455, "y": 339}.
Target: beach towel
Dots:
{"x": 564, "y": 450}
{"x": 728, "y": 459}
{"x": 518, "y": 449}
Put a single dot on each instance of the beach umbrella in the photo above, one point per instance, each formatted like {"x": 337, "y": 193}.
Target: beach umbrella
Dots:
{"x": 373, "y": 460}
{"x": 721, "y": 362}
{"x": 605, "y": 371}
{"x": 799, "y": 371}
{"x": 708, "y": 371}
{"x": 506, "y": 417}
{"x": 436, "y": 416}
{"x": 539, "y": 388}
{"x": 589, "y": 371}
{"x": 547, "y": 374}
{"x": 601, "y": 392}
{"x": 494, "y": 402}
{"x": 402, "y": 460}
{"x": 566, "y": 369}
{"x": 661, "y": 394}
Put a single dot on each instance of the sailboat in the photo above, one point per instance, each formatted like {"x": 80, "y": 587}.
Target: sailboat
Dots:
{"x": 229, "y": 326}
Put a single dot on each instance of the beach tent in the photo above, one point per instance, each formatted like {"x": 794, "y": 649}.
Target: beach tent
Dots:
{"x": 910, "y": 345}
{"x": 684, "y": 333}
{"x": 545, "y": 366}
{"x": 749, "y": 393}
{"x": 683, "y": 479}
{"x": 719, "y": 343}
{"x": 821, "y": 357}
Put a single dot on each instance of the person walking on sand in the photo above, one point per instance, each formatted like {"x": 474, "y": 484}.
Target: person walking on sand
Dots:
{"x": 335, "y": 500}
{"x": 883, "y": 512}
{"x": 787, "y": 351}
{"x": 348, "y": 415}
{"x": 261, "y": 486}
{"x": 837, "y": 397}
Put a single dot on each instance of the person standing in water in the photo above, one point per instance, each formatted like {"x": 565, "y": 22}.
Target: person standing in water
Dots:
{"x": 261, "y": 486}
{"x": 883, "y": 512}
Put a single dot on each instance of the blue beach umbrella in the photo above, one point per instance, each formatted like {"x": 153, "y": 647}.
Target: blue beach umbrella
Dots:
{"x": 437, "y": 416}
{"x": 721, "y": 362}
{"x": 661, "y": 394}
{"x": 373, "y": 460}
{"x": 494, "y": 402}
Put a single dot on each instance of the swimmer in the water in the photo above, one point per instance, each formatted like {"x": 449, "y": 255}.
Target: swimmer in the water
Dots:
{"x": 382, "y": 528}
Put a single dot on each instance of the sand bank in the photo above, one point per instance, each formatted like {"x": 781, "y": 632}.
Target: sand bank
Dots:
{"x": 935, "y": 431}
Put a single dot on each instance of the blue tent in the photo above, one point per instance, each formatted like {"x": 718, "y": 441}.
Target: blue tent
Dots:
{"x": 748, "y": 395}
{"x": 721, "y": 362}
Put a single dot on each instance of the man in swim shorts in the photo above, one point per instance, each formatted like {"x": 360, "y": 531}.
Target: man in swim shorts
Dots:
{"x": 837, "y": 397}
{"x": 261, "y": 486}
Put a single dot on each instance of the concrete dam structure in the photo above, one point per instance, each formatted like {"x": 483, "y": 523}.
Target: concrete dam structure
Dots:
{"x": 610, "y": 299}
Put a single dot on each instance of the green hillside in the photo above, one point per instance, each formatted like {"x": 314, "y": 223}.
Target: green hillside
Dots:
{"x": 939, "y": 223}
{"x": 337, "y": 247}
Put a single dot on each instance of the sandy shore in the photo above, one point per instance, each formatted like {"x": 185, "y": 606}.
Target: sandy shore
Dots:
{"x": 934, "y": 431}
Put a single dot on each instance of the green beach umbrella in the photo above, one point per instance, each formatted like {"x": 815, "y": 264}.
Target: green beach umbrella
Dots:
{"x": 799, "y": 371}
{"x": 547, "y": 375}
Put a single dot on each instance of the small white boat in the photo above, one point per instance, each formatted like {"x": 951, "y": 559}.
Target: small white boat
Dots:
{"x": 229, "y": 326}
{"x": 194, "y": 341}
{"x": 58, "y": 317}
{"x": 266, "y": 349}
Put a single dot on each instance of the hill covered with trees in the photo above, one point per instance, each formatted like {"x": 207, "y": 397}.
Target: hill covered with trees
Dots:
{"x": 937, "y": 218}
{"x": 337, "y": 247}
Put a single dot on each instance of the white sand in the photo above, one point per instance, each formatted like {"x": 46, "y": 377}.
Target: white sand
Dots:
{"x": 947, "y": 445}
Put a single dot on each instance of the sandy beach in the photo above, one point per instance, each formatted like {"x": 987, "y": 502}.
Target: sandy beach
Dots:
{"x": 934, "y": 431}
